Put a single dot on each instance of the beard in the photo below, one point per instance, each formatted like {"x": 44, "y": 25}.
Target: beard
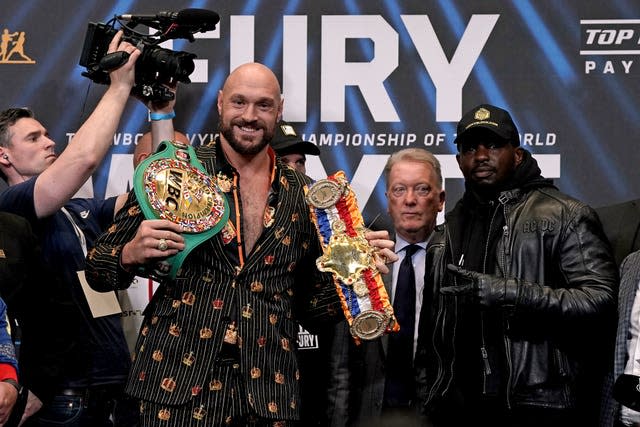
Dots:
{"x": 243, "y": 148}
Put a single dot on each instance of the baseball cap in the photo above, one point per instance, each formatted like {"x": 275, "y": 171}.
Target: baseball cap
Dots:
{"x": 490, "y": 117}
{"x": 286, "y": 141}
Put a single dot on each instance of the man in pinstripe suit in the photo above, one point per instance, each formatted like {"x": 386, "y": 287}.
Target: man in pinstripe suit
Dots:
{"x": 217, "y": 346}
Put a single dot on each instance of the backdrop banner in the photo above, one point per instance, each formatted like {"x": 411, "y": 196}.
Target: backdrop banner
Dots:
{"x": 364, "y": 78}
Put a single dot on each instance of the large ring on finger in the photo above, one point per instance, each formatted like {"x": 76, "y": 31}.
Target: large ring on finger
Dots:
{"x": 162, "y": 245}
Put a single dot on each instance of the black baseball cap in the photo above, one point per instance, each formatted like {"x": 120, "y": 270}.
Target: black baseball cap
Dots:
{"x": 486, "y": 116}
{"x": 286, "y": 141}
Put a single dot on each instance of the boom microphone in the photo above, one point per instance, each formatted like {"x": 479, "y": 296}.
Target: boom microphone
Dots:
{"x": 192, "y": 20}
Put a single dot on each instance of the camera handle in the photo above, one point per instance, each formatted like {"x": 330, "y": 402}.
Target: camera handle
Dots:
{"x": 113, "y": 60}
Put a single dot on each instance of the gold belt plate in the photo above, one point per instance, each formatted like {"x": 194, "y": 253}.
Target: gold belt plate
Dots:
{"x": 183, "y": 195}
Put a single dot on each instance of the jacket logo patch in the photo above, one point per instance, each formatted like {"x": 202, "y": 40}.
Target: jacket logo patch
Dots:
{"x": 537, "y": 225}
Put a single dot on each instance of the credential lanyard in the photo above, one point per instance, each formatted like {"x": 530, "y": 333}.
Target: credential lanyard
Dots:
{"x": 100, "y": 303}
{"x": 78, "y": 230}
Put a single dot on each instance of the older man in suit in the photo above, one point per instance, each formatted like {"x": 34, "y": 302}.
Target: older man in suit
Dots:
{"x": 380, "y": 372}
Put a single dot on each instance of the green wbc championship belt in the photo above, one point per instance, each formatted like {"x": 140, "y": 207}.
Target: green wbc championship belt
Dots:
{"x": 172, "y": 184}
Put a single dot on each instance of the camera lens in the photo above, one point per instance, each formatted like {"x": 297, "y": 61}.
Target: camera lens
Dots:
{"x": 169, "y": 63}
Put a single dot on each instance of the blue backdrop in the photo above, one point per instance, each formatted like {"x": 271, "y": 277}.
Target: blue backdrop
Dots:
{"x": 365, "y": 78}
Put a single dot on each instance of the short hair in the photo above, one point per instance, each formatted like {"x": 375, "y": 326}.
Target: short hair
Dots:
{"x": 8, "y": 118}
{"x": 417, "y": 155}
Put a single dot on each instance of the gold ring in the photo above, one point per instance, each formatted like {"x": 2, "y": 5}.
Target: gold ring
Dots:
{"x": 162, "y": 245}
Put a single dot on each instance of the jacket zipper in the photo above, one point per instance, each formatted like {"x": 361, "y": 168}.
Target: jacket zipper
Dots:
{"x": 503, "y": 259}
{"x": 483, "y": 348}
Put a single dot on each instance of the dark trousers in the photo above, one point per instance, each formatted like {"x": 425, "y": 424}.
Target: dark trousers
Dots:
{"x": 90, "y": 407}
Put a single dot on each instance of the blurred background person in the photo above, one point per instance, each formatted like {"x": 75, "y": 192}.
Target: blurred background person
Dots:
{"x": 291, "y": 148}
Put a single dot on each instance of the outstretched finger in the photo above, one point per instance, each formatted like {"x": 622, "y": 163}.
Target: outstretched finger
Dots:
{"x": 115, "y": 41}
{"x": 460, "y": 272}
{"x": 456, "y": 290}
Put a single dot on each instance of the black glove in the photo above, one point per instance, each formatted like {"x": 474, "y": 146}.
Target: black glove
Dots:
{"x": 486, "y": 290}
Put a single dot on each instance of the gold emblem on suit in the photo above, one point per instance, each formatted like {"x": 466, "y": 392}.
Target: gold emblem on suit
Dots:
{"x": 199, "y": 413}
{"x": 188, "y": 358}
{"x": 188, "y": 298}
{"x": 168, "y": 384}
{"x": 255, "y": 373}
{"x": 164, "y": 414}
{"x": 231, "y": 334}
{"x": 247, "y": 311}
{"x": 269, "y": 216}
{"x": 174, "y": 330}
{"x": 195, "y": 390}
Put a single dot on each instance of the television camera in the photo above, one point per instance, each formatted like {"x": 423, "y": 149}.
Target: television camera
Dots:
{"x": 156, "y": 64}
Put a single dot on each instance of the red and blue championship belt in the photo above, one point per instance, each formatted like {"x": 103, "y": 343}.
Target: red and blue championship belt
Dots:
{"x": 350, "y": 257}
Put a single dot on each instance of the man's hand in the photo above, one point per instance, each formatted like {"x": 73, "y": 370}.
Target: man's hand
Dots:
{"x": 123, "y": 76}
{"x": 486, "y": 290}
{"x": 8, "y": 397}
{"x": 383, "y": 247}
{"x": 155, "y": 239}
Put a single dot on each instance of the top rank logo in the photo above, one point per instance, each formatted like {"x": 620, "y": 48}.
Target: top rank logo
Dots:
{"x": 613, "y": 42}
{"x": 12, "y": 48}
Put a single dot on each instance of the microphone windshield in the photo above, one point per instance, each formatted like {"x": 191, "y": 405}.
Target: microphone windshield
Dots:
{"x": 203, "y": 19}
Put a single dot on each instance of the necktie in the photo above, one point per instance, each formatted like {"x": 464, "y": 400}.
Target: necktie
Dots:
{"x": 399, "y": 383}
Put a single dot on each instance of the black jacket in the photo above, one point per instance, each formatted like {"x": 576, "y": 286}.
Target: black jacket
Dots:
{"x": 555, "y": 335}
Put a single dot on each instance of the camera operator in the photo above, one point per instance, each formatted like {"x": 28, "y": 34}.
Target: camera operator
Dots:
{"x": 74, "y": 363}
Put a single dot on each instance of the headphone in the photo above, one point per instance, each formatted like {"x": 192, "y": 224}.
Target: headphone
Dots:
{"x": 4, "y": 156}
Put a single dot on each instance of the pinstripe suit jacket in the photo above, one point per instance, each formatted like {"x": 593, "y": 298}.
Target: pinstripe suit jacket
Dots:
{"x": 629, "y": 278}
{"x": 188, "y": 316}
